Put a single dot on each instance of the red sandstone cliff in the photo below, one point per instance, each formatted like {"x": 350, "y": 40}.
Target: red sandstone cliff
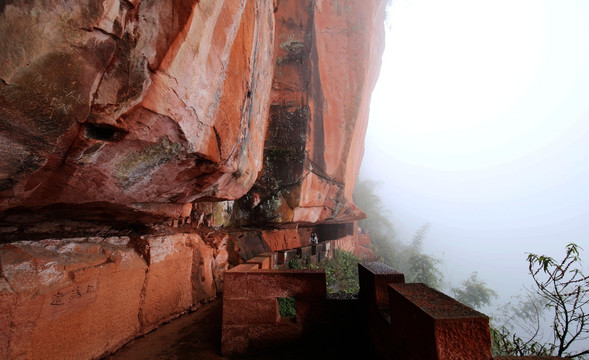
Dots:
{"x": 121, "y": 109}
{"x": 327, "y": 61}
{"x": 242, "y": 121}
{"x": 127, "y": 104}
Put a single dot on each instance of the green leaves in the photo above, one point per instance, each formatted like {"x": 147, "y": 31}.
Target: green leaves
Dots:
{"x": 474, "y": 292}
{"x": 424, "y": 269}
{"x": 564, "y": 291}
{"x": 543, "y": 261}
{"x": 341, "y": 272}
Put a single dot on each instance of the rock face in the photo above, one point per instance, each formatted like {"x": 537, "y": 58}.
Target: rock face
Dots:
{"x": 79, "y": 298}
{"x": 127, "y": 110}
{"x": 146, "y": 146}
{"x": 115, "y": 104}
{"x": 327, "y": 61}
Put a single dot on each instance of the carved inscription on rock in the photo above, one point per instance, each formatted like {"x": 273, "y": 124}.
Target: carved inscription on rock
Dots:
{"x": 70, "y": 298}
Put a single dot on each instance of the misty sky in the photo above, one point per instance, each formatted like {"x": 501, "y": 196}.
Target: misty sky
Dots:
{"x": 479, "y": 125}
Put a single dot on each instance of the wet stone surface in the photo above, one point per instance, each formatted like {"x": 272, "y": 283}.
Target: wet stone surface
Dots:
{"x": 198, "y": 336}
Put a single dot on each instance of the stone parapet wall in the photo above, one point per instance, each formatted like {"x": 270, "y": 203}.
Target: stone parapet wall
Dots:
{"x": 406, "y": 321}
{"x": 251, "y": 318}
{"x": 374, "y": 279}
{"x": 80, "y": 298}
{"x": 416, "y": 322}
{"x": 431, "y": 325}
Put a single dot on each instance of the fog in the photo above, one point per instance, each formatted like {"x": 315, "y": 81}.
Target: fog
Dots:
{"x": 479, "y": 125}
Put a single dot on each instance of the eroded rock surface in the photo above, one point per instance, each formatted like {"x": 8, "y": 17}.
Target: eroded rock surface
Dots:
{"x": 136, "y": 108}
{"x": 121, "y": 103}
{"x": 80, "y": 298}
{"x": 146, "y": 146}
{"x": 327, "y": 62}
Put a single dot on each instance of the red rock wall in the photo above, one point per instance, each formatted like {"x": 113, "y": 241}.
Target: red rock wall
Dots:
{"x": 327, "y": 61}
{"x": 120, "y": 117}
{"x": 134, "y": 108}
{"x": 122, "y": 103}
{"x": 80, "y": 298}
{"x": 126, "y": 111}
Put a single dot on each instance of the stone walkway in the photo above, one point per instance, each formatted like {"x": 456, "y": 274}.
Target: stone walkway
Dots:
{"x": 193, "y": 336}
{"x": 198, "y": 336}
